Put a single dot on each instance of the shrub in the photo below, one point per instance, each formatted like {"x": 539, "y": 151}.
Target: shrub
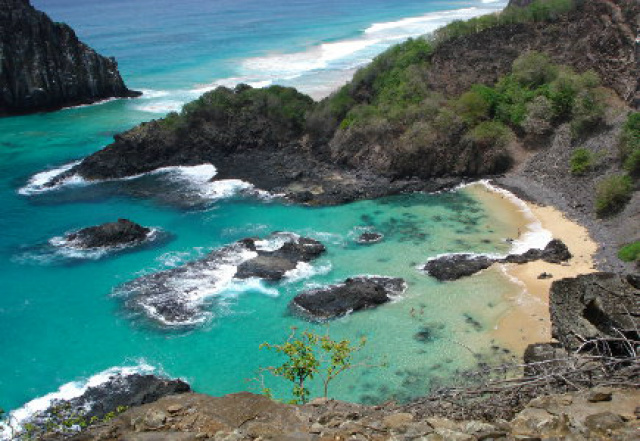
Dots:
{"x": 539, "y": 116}
{"x": 472, "y": 107}
{"x": 581, "y": 161}
{"x": 311, "y": 355}
{"x": 630, "y": 253}
{"x": 630, "y": 138}
{"x": 534, "y": 69}
{"x": 632, "y": 163}
{"x": 491, "y": 134}
{"x": 612, "y": 194}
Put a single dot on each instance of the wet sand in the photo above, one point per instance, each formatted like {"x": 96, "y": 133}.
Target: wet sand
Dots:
{"x": 528, "y": 320}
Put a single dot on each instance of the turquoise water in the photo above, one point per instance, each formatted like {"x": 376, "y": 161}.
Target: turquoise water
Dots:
{"x": 59, "y": 321}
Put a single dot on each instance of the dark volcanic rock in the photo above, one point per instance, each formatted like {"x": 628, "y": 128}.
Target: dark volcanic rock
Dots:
{"x": 455, "y": 266}
{"x": 353, "y": 295}
{"x": 542, "y": 357}
{"x": 112, "y": 234}
{"x": 595, "y": 306}
{"x": 370, "y": 237}
{"x": 179, "y": 296}
{"x": 118, "y": 392}
{"x": 555, "y": 252}
{"x": 45, "y": 66}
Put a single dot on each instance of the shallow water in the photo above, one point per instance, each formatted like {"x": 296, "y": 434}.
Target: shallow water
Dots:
{"x": 59, "y": 319}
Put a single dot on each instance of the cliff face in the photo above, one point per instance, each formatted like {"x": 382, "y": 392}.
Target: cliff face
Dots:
{"x": 44, "y": 66}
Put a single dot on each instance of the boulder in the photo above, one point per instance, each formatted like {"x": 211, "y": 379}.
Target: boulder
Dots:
{"x": 456, "y": 266}
{"x": 113, "y": 234}
{"x": 370, "y": 237}
{"x": 354, "y": 294}
{"x": 599, "y": 307}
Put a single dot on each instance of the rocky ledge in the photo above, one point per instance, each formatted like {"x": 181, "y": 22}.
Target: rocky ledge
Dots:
{"x": 109, "y": 235}
{"x": 180, "y": 296}
{"x": 456, "y": 266}
{"x": 610, "y": 414}
{"x": 596, "y": 313}
{"x": 354, "y": 294}
{"x": 46, "y": 67}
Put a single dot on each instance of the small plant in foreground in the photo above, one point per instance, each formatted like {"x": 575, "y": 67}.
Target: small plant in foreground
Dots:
{"x": 308, "y": 356}
{"x": 581, "y": 161}
{"x": 630, "y": 253}
{"x": 612, "y": 194}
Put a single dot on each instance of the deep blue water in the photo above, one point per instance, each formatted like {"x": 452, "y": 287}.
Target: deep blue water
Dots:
{"x": 59, "y": 321}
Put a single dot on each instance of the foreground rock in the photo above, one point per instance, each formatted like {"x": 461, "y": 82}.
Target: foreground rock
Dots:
{"x": 46, "y": 67}
{"x": 109, "y": 235}
{"x": 456, "y": 266}
{"x": 245, "y": 417}
{"x": 180, "y": 296}
{"x": 119, "y": 392}
{"x": 353, "y": 295}
{"x": 595, "y": 312}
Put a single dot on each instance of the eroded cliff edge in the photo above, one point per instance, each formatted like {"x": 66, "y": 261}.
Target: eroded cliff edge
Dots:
{"x": 44, "y": 66}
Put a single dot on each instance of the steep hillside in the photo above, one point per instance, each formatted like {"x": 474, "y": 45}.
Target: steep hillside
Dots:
{"x": 45, "y": 67}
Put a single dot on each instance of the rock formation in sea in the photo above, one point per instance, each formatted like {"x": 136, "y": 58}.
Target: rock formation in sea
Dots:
{"x": 354, "y": 294}
{"x": 455, "y": 266}
{"x": 46, "y": 67}
{"x": 180, "y": 296}
{"x": 123, "y": 232}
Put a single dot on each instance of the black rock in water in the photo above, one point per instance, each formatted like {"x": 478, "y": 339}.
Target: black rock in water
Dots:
{"x": 370, "y": 237}
{"x": 555, "y": 252}
{"x": 180, "y": 296}
{"x": 46, "y": 67}
{"x": 112, "y": 234}
{"x": 353, "y": 295}
{"x": 273, "y": 265}
{"x": 455, "y": 266}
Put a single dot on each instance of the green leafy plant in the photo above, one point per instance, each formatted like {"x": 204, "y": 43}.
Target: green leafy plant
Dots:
{"x": 612, "y": 194}
{"x": 309, "y": 356}
{"x": 581, "y": 161}
{"x": 632, "y": 163}
{"x": 630, "y": 253}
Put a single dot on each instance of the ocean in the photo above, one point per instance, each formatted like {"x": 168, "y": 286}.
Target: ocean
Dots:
{"x": 63, "y": 320}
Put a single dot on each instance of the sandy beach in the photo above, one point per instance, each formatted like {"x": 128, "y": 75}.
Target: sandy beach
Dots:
{"x": 528, "y": 320}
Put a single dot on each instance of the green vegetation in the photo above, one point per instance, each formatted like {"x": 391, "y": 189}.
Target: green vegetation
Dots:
{"x": 60, "y": 420}
{"x": 581, "y": 161}
{"x": 284, "y": 106}
{"x": 538, "y": 11}
{"x": 630, "y": 253}
{"x": 612, "y": 194}
{"x": 309, "y": 356}
{"x": 630, "y": 144}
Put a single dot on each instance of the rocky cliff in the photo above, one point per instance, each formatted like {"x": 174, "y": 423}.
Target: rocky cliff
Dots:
{"x": 44, "y": 66}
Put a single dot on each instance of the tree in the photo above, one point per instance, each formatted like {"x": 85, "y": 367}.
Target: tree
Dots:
{"x": 309, "y": 356}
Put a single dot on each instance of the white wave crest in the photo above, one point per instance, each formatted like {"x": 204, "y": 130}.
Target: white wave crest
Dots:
{"x": 66, "y": 392}
{"x": 38, "y": 183}
{"x": 304, "y": 271}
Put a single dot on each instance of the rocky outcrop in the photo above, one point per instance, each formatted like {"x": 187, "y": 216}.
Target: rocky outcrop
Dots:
{"x": 119, "y": 392}
{"x": 244, "y": 417}
{"x": 370, "y": 237}
{"x": 44, "y": 66}
{"x": 109, "y": 235}
{"x": 273, "y": 264}
{"x": 353, "y": 295}
{"x": 455, "y": 266}
{"x": 595, "y": 312}
{"x": 181, "y": 296}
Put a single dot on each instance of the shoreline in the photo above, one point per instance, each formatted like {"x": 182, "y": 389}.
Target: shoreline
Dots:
{"x": 528, "y": 320}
